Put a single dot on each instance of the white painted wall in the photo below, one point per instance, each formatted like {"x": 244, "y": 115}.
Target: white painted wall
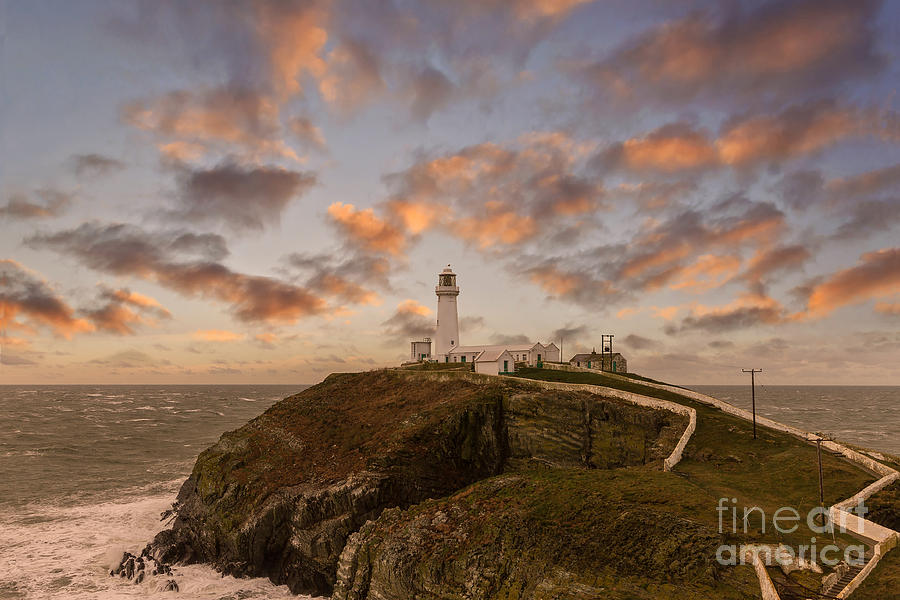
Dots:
{"x": 447, "y": 332}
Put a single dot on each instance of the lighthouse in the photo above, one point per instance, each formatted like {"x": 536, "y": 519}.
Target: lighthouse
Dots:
{"x": 447, "y": 330}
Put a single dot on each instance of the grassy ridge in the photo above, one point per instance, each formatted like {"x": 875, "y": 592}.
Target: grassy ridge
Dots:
{"x": 725, "y": 461}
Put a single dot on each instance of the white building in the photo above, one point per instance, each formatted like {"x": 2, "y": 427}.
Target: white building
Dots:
{"x": 494, "y": 362}
{"x": 489, "y": 358}
{"x": 420, "y": 350}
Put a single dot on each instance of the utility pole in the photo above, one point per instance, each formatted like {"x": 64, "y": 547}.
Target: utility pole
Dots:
{"x": 821, "y": 478}
{"x": 753, "y": 373}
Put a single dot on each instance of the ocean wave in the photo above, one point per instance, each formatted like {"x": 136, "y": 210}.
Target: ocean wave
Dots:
{"x": 60, "y": 551}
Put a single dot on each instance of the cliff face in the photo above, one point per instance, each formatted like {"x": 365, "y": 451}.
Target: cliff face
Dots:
{"x": 280, "y": 496}
{"x": 540, "y": 532}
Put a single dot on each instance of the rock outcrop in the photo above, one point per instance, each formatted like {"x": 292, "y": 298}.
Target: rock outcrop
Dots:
{"x": 281, "y": 496}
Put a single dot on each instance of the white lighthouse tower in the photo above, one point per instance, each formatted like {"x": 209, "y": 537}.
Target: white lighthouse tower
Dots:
{"x": 447, "y": 334}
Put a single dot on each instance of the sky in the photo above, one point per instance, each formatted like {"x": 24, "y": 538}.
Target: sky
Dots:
{"x": 265, "y": 191}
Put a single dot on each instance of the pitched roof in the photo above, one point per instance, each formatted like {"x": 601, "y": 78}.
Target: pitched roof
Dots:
{"x": 492, "y": 355}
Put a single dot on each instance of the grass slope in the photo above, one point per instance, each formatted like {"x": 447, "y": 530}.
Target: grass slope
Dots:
{"x": 724, "y": 460}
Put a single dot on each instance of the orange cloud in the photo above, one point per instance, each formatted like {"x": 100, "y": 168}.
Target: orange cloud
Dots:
{"x": 295, "y": 36}
{"x": 199, "y": 119}
{"x": 670, "y": 148}
{"x": 335, "y": 285}
{"x": 25, "y": 292}
{"x": 365, "y": 229}
{"x": 217, "y": 335}
{"x": 797, "y": 131}
{"x": 411, "y": 307}
{"x": 186, "y": 263}
{"x": 708, "y": 272}
{"x": 774, "y": 49}
{"x": 416, "y": 216}
{"x": 876, "y": 275}
{"x": 887, "y": 308}
{"x": 866, "y": 183}
{"x": 554, "y": 281}
{"x": 501, "y": 227}
{"x": 665, "y": 312}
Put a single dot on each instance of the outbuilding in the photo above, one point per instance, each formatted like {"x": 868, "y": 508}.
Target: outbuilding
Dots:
{"x": 495, "y": 362}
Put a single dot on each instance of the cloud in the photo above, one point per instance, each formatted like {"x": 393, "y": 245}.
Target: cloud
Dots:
{"x": 869, "y": 216}
{"x": 352, "y": 76}
{"x": 266, "y": 340}
{"x": 570, "y": 332}
{"x": 637, "y": 342}
{"x": 348, "y": 278}
{"x": 216, "y": 335}
{"x": 244, "y": 198}
{"x": 772, "y": 260}
{"x": 184, "y": 262}
{"x": 310, "y": 135}
{"x": 126, "y": 359}
{"x": 122, "y": 309}
{"x": 777, "y": 49}
{"x": 470, "y": 323}
{"x": 721, "y": 344}
{"x": 230, "y": 119}
{"x": 671, "y": 148}
{"x": 25, "y": 292}
{"x": 94, "y": 164}
{"x": 410, "y": 320}
{"x": 495, "y": 196}
{"x": 888, "y": 308}
{"x": 428, "y": 91}
{"x": 748, "y": 310}
{"x": 876, "y": 276}
{"x": 708, "y": 272}
{"x": 52, "y": 204}
{"x": 798, "y": 130}
{"x": 748, "y": 140}
{"x": 654, "y": 196}
{"x": 509, "y": 340}
{"x": 364, "y": 229}
{"x": 801, "y": 189}
{"x": 574, "y": 286}
{"x": 14, "y": 360}
{"x": 864, "y": 184}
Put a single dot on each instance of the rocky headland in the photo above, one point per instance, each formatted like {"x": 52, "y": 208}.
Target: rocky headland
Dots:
{"x": 402, "y": 484}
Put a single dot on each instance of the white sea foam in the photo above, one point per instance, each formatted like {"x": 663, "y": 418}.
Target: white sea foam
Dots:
{"x": 57, "y": 552}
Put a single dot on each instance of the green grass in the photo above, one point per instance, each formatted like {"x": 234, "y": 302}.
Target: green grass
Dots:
{"x": 723, "y": 460}
{"x": 884, "y": 581}
{"x": 629, "y": 533}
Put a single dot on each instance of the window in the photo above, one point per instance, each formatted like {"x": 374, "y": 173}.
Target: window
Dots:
{"x": 446, "y": 359}
{"x": 451, "y": 342}
{"x": 505, "y": 366}
{"x": 539, "y": 358}
{"x": 464, "y": 358}
{"x": 614, "y": 367}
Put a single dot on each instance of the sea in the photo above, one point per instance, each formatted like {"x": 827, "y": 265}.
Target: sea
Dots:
{"x": 86, "y": 471}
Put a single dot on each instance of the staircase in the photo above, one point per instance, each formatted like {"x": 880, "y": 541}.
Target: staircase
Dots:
{"x": 844, "y": 581}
